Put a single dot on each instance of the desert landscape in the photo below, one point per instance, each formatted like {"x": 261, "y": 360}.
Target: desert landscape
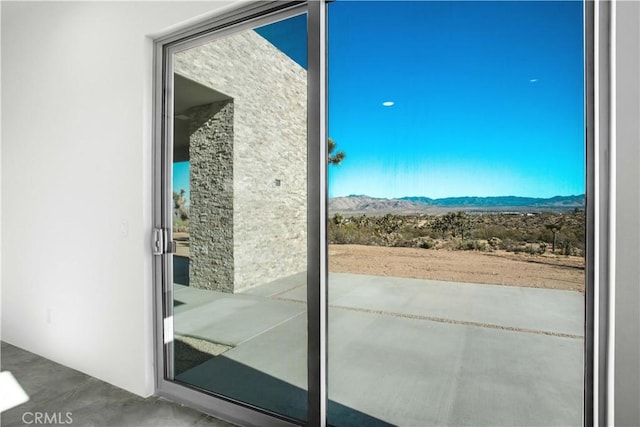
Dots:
{"x": 498, "y": 267}
{"x": 530, "y": 249}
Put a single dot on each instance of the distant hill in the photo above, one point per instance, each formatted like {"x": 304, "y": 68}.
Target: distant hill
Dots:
{"x": 361, "y": 204}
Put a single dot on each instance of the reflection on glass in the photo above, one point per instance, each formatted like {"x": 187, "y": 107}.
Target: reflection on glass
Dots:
{"x": 456, "y": 230}
{"x": 239, "y": 199}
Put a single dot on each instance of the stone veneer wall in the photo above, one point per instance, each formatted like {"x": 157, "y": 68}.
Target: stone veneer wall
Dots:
{"x": 211, "y": 263}
{"x": 269, "y": 92}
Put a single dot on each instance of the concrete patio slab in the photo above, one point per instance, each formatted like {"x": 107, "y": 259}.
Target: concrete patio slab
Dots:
{"x": 550, "y": 310}
{"x": 401, "y": 351}
{"x": 228, "y": 319}
{"x": 409, "y": 372}
{"x": 412, "y": 372}
{"x": 269, "y": 371}
{"x": 280, "y": 286}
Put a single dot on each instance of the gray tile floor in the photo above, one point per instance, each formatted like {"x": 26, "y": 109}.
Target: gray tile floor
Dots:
{"x": 56, "y": 389}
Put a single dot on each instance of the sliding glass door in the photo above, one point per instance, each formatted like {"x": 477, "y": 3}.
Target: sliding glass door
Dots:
{"x": 235, "y": 282}
{"x": 375, "y": 213}
{"x": 456, "y": 213}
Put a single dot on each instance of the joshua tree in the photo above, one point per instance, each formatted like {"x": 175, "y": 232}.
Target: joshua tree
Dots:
{"x": 462, "y": 223}
{"x": 455, "y": 222}
{"x": 178, "y": 204}
{"x": 554, "y": 227}
{"x": 390, "y": 223}
{"x": 338, "y": 220}
{"x": 364, "y": 221}
{"x": 337, "y": 158}
{"x": 440, "y": 225}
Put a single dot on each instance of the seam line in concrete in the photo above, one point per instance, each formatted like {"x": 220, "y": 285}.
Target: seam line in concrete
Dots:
{"x": 450, "y": 321}
{"x": 271, "y": 328}
{"x": 277, "y": 294}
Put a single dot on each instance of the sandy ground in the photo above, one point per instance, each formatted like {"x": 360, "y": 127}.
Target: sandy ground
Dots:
{"x": 499, "y": 267}
{"x": 182, "y": 243}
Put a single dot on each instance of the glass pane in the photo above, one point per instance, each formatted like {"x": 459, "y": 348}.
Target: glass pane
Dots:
{"x": 457, "y": 221}
{"x": 240, "y": 217}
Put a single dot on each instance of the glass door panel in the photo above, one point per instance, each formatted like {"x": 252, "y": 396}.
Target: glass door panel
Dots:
{"x": 456, "y": 213}
{"x": 240, "y": 217}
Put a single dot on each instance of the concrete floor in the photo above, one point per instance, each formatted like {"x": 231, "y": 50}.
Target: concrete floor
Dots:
{"x": 401, "y": 351}
{"x": 53, "y": 388}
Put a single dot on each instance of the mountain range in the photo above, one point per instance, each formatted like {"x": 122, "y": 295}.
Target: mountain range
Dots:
{"x": 361, "y": 204}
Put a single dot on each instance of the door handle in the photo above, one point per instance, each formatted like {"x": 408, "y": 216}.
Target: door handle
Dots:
{"x": 161, "y": 244}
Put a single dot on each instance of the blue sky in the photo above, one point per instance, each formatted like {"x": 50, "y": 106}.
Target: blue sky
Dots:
{"x": 181, "y": 178}
{"x": 487, "y": 96}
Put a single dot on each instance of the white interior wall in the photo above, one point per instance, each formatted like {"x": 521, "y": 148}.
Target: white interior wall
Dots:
{"x": 76, "y": 114}
{"x": 76, "y": 169}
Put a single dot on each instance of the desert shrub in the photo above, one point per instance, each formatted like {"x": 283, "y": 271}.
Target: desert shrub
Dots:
{"x": 523, "y": 247}
{"x": 180, "y": 225}
{"x": 507, "y": 245}
{"x": 411, "y": 232}
{"x": 567, "y": 248}
{"x": 517, "y": 249}
{"x": 500, "y": 232}
{"x": 469, "y": 245}
{"x": 427, "y": 244}
{"x": 494, "y": 242}
{"x": 350, "y": 234}
{"x": 404, "y": 243}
